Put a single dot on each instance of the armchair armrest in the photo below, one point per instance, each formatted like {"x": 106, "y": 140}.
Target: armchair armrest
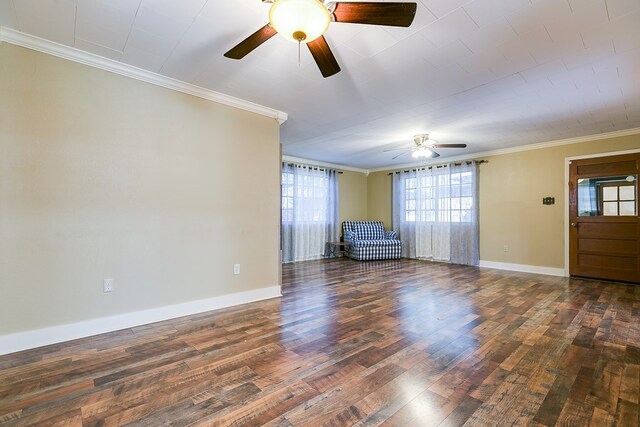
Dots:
{"x": 349, "y": 236}
{"x": 391, "y": 234}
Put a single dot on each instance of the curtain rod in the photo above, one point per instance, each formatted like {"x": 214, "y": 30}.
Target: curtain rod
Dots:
{"x": 316, "y": 168}
{"x": 478, "y": 162}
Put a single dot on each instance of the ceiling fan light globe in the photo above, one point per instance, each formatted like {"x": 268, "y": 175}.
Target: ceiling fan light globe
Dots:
{"x": 300, "y": 21}
{"x": 421, "y": 151}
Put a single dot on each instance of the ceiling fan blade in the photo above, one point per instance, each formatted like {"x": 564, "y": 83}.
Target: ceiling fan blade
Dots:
{"x": 434, "y": 154}
{"x": 324, "y": 57}
{"x": 401, "y": 154}
{"x": 394, "y": 149}
{"x": 240, "y": 50}
{"x": 449, "y": 145}
{"x": 375, "y": 13}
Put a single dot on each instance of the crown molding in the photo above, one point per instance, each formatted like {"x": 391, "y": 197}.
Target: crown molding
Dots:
{"x": 72, "y": 54}
{"x": 323, "y": 164}
{"x": 518, "y": 149}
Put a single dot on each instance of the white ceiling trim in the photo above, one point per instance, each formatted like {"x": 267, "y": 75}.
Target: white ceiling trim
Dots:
{"x": 518, "y": 149}
{"x": 28, "y": 41}
{"x": 323, "y": 164}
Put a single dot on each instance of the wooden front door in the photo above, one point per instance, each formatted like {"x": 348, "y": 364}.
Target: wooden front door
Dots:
{"x": 604, "y": 231}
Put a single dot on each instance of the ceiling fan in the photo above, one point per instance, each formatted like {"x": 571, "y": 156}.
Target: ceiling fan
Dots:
{"x": 424, "y": 147}
{"x": 305, "y": 21}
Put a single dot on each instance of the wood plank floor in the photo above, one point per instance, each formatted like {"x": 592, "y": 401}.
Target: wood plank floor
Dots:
{"x": 383, "y": 343}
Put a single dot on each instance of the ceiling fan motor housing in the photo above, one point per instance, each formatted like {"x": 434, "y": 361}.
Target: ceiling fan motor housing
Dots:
{"x": 421, "y": 138}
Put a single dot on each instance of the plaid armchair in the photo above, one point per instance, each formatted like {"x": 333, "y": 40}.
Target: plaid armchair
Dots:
{"x": 370, "y": 241}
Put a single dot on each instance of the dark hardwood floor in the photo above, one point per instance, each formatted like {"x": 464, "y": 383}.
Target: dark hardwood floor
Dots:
{"x": 356, "y": 343}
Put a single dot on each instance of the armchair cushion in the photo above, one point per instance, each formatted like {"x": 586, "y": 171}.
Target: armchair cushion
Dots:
{"x": 369, "y": 231}
{"x": 378, "y": 242}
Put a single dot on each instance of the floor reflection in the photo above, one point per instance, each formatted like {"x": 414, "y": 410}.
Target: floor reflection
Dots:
{"x": 397, "y": 343}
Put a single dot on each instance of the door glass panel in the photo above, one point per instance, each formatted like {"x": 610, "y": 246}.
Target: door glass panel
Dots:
{"x": 610, "y": 208}
{"x": 609, "y": 196}
{"x": 627, "y": 208}
{"x": 609, "y": 193}
{"x": 627, "y": 193}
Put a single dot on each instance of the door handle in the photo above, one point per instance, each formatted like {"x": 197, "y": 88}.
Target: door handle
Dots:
{"x": 573, "y": 224}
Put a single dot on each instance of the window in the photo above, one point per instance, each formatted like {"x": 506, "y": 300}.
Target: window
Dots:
{"x": 439, "y": 198}
{"x": 607, "y": 196}
{"x": 618, "y": 199}
{"x": 435, "y": 211}
{"x": 309, "y": 211}
{"x": 304, "y": 197}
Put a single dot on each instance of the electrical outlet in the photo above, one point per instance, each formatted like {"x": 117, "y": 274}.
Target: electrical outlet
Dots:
{"x": 107, "y": 285}
{"x": 236, "y": 268}
{"x": 505, "y": 248}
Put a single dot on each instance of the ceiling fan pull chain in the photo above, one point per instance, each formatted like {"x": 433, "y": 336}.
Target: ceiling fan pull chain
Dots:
{"x": 298, "y": 53}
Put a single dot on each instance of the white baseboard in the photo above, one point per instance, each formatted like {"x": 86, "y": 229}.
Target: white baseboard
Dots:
{"x": 56, "y": 334}
{"x": 525, "y": 268}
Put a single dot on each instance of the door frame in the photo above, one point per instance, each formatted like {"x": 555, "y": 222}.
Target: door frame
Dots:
{"x": 567, "y": 161}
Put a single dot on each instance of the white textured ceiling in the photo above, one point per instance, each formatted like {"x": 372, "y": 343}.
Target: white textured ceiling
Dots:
{"x": 489, "y": 73}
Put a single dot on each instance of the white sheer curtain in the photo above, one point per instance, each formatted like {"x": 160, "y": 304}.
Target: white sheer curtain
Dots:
{"x": 403, "y": 221}
{"x": 309, "y": 211}
{"x": 435, "y": 213}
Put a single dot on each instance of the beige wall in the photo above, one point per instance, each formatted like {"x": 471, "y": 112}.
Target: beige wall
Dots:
{"x": 511, "y": 211}
{"x": 379, "y": 198}
{"x": 353, "y": 197}
{"x": 102, "y": 176}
